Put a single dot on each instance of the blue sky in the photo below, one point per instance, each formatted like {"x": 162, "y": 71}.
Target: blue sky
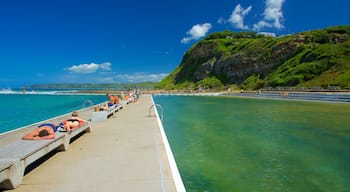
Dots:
{"x": 112, "y": 41}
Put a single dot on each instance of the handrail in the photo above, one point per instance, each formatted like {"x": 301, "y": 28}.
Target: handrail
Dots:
{"x": 89, "y": 102}
{"x": 161, "y": 110}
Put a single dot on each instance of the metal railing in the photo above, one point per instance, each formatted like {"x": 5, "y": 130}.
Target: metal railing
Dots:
{"x": 88, "y": 101}
{"x": 160, "y": 112}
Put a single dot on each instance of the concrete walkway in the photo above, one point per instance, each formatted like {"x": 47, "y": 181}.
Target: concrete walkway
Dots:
{"x": 123, "y": 153}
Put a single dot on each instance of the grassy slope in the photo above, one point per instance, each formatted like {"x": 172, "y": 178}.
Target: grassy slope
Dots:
{"x": 321, "y": 60}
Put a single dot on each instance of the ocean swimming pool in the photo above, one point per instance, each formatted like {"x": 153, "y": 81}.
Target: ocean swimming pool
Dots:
{"x": 242, "y": 144}
{"x": 19, "y": 110}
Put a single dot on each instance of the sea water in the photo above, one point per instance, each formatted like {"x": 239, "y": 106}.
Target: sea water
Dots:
{"x": 241, "y": 144}
{"x": 18, "y": 110}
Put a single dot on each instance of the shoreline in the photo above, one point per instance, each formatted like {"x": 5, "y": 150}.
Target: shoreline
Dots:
{"x": 341, "y": 96}
{"x": 338, "y": 97}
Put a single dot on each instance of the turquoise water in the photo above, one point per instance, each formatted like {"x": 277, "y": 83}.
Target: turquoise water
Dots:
{"x": 19, "y": 110}
{"x": 240, "y": 144}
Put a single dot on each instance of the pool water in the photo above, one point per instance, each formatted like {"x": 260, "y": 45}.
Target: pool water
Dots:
{"x": 242, "y": 144}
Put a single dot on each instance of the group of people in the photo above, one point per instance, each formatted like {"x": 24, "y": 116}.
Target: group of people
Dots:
{"x": 47, "y": 130}
{"x": 114, "y": 99}
{"x": 131, "y": 95}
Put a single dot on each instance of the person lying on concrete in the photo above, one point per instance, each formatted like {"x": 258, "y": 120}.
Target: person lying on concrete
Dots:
{"x": 43, "y": 131}
{"x": 73, "y": 122}
{"x": 103, "y": 107}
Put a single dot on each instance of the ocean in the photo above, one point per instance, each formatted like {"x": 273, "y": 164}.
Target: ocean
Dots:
{"x": 245, "y": 144}
{"x": 18, "y": 109}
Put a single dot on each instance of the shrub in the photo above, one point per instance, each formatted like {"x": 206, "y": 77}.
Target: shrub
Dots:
{"x": 211, "y": 83}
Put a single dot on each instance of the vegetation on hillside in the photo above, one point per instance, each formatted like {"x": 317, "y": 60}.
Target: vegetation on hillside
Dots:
{"x": 318, "y": 58}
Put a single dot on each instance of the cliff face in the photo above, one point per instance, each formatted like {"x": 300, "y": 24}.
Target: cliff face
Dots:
{"x": 240, "y": 66}
{"x": 304, "y": 59}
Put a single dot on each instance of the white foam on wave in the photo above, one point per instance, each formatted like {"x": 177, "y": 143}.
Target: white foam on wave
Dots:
{"x": 53, "y": 92}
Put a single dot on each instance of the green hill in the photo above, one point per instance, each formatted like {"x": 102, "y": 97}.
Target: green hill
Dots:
{"x": 318, "y": 58}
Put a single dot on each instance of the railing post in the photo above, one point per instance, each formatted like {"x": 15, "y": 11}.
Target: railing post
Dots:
{"x": 160, "y": 108}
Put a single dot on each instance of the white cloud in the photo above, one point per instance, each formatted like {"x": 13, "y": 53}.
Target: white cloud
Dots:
{"x": 106, "y": 80}
{"x": 89, "y": 68}
{"x": 84, "y": 68}
{"x": 196, "y": 32}
{"x": 260, "y": 25}
{"x": 111, "y": 78}
{"x": 106, "y": 66}
{"x": 221, "y": 20}
{"x": 237, "y": 16}
{"x": 272, "y": 15}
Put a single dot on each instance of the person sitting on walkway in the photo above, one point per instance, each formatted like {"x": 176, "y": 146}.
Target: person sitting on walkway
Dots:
{"x": 43, "y": 131}
{"x": 73, "y": 122}
{"x": 111, "y": 99}
{"x": 116, "y": 99}
{"x": 129, "y": 97}
{"x": 122, "y": 96}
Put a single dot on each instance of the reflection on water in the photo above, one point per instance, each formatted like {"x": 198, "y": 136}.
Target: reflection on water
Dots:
{"x": 238, "y": 144}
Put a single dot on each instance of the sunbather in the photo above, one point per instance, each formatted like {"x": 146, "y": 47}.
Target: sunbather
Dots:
{"x": 111, "y": 99}
{"x": 122, "y": 96}
{"x": 116, "y": 99}
{"x": 102, "y": 107}
{"x": 73, "y": 122}
{"x": 43, "y": 131}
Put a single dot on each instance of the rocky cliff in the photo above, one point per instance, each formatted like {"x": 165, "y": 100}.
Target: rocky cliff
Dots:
{"x": 250, "y": 60}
